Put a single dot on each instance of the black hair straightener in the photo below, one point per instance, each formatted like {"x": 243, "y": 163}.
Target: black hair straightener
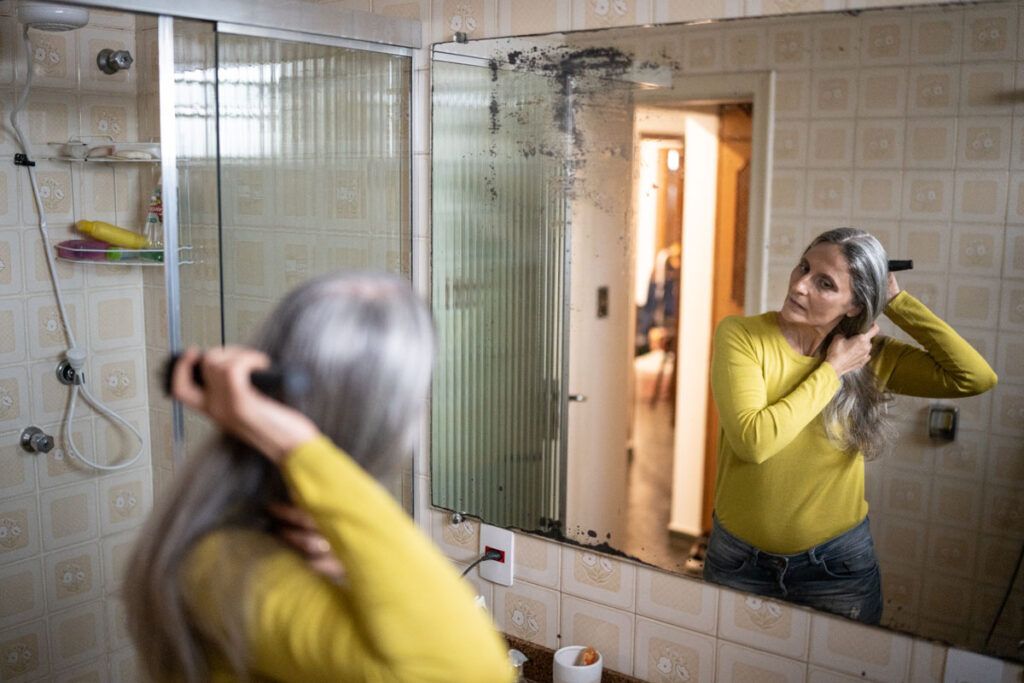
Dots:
{"x": 274, "y": 382}
{"x": 900, "y": 265}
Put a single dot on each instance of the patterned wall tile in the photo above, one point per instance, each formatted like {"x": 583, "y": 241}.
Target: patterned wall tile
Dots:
{"x": 60, "y": 466}
{"x": 677, "y": 600}
{"x": 538, "y": 561}
{"x": 876, "y": 194}
{"x": 475, "y": 18}
{"x": 885, "y": 39}
{"x": 116, "y": 549}
{"x": 9, "y": 184}
{"x": 882, "y": 92}
{"x": 1011, "y": 315}
{"x": 762, "y": 623}
{"x": 595, "y": 14}
{"x": 790, "y": 46}
{"x": 983, "y": 142}
{"x": 90, "y": 42}
{"x": 609, "y": 631}
{"x": 598, "y": 577}
{"x": 73, "y": 576}
{"x": 833, "y": 94}
{"x": 792, "y": 95}
{"x": 737, "y": 663}
{"x": 665, "y": 654}
{"x": 77, "y": 634}
{"x": 980, "y": 88}
{"x": 931, "y": 143}
{"x": 936, "y": 37}
{"x": 519, "y": 17}
{"x": 115, "y": 319}
{"x": 977, "y": 249}
{"x": 857, "y": 649}
{"x": 934, "y": 91}
{"x": 927, "y": 244}
{"x": 990, "y": 33}
{"x": 17, "y": 467}
{"x": 14, "y": 398}
{"x": 973, "y": 302}
{"x": 69, "y": 515}
{"x": 25, "y": 652}
{"x": 830, "y": 144}
{"x": 11, "y": 263}
{"x": 458, "y": 541}
{"x": 95, "y": 671}
{"x": 528, "y": 612}
{"x": 836, "y": 43}
{"x": 125, "y": 501}
{"x": 21, "y": 592}
{"x": 880, "y": 143}
{"x": 666, "y": 11}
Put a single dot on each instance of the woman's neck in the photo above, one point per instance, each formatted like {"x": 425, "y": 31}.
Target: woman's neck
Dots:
{"x": 805, "y": 339}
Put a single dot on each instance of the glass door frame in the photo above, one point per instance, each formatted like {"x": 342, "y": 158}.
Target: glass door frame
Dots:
{"x": 371, "y": 34}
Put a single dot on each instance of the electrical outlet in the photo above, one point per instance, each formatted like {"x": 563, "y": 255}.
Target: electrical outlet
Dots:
{"x": 502, "y": 540}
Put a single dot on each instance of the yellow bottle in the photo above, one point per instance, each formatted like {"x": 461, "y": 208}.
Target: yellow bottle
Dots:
{"x": 112, "y": 234}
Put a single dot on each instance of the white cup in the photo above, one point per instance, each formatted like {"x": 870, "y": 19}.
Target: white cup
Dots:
{"x": 566, "y": 671}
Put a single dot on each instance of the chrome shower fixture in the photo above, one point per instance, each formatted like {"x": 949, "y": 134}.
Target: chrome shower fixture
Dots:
{"x": 49, "y": 16}
{"x": 111, "y": 61}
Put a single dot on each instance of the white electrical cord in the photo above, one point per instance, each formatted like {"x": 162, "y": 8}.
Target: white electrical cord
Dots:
{"x": 75, "y": 356}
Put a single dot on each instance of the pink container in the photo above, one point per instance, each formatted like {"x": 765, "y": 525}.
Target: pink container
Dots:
{"x": 91, "y": 250}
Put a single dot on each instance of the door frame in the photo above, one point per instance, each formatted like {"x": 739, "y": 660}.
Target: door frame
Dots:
{"x": 759, "y": 88}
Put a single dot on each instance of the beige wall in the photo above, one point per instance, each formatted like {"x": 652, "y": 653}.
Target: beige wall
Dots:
{"x": 835, "y": 161}
{"x": 59, "y": 572}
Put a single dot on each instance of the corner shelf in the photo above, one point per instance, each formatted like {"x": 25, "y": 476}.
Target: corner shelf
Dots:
{"x": 129, "y": 257}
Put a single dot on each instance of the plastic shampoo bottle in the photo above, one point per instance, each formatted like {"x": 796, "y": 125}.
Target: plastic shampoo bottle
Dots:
{"x": 113, "y": 235}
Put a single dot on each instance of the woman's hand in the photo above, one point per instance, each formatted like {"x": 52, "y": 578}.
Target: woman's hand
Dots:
{"x": 894, "y": 288}
{"x": 847, "y": 354}
{"x": 230, "y": 400}
{"x": 298, "y": 529}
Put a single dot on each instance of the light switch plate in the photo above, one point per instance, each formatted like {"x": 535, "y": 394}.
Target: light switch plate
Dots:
{"x": 499, "y": 572}
{"x": 968, "y": 667}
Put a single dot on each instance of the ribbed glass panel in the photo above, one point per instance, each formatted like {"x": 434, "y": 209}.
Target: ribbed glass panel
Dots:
{"x": 315, "y": 168}
{"x": 498, "y": 235}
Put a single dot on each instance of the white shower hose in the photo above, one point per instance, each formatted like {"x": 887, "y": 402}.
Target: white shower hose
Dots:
{"x": 76, "y": 357}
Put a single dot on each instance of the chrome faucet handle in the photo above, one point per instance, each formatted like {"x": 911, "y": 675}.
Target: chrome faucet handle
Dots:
{"x": 35, "y": 440}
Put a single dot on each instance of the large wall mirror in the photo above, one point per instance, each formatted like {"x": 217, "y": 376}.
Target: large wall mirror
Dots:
{"x": 601, "y": 199}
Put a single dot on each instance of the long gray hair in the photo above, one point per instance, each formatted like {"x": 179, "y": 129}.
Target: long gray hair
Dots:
{"x": 367, "y": 343}
{"x": 856, "y": 418}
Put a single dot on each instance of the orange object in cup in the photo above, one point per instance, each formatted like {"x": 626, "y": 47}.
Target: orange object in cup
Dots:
{"x": 586, "y": 657}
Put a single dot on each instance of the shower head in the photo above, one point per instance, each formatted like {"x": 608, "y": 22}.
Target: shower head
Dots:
{"x": 49, "y": 16}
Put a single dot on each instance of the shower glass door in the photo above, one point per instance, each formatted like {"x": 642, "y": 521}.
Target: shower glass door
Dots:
{"x": 293, "y": 158}
{"x": 314, "y": 167}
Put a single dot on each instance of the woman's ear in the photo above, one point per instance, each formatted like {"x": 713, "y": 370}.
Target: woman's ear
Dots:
{"x": 855, "y": 311}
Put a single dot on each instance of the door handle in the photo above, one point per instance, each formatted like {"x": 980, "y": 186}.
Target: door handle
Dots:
{"x": 578, "y": 398}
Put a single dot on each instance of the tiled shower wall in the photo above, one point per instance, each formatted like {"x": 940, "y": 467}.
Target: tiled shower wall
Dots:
{"x": 891, "y": 122}
{"x": 64, "y": 531}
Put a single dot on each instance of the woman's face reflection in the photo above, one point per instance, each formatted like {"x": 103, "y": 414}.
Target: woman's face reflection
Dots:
{"x": 820, "y": 290}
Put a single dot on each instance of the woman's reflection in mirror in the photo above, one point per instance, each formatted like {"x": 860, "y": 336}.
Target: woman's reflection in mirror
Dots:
{"x": 802, "y": 397}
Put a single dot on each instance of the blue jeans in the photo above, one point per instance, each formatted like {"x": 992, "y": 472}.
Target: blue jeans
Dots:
{"x": 840, "y": 575}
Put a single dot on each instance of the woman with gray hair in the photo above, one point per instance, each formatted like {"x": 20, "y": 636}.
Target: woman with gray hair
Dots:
{"x": 213, "y": 592}
{"x": 801, "y": 395}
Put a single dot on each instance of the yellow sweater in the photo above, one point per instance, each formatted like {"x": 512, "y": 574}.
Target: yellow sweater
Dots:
{"x": 782, "y": 486}
{"x": 402, "y": 613}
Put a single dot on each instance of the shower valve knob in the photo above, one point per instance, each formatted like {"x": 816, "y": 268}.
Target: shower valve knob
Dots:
{"x": 111, "y": 61}
{"x": 35, "y": 440}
